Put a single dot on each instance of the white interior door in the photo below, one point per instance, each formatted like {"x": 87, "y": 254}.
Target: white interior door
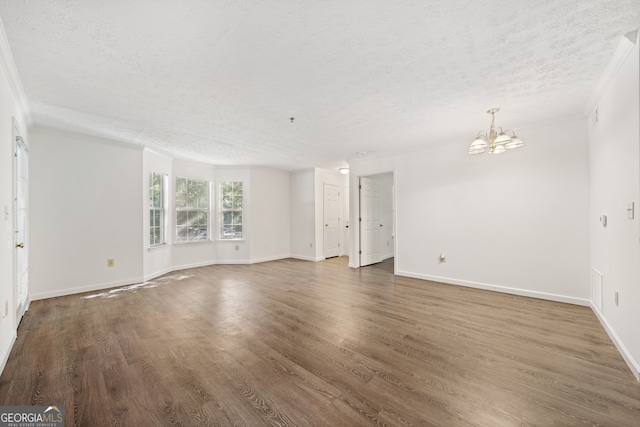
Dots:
{"x": 369, "y": 222}
{"x": 331, "y": 220}
{"x": 21, "y": 226}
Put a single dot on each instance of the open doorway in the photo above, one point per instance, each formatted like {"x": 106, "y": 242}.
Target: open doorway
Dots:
{"x": 376, "y": 237}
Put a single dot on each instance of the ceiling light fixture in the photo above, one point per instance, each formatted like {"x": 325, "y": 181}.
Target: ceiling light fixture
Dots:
{"x": 343, "y": 171}
{"x": 497, "y": 140}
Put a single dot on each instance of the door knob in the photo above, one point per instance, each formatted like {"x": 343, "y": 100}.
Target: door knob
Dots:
{"x": 326, "y": 225}
{"x": 380, "y": 225}
{"x": 20, "y": 245}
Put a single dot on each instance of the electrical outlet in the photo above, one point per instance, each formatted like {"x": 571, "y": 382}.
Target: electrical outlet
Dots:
{"x": 111, "y": 262}
{"x": 617, "y": 300}
{"x": 237, "y": 247}
{"x": 443, "y": 257}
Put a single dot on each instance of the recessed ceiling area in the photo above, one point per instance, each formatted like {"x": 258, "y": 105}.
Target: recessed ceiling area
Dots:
{"x": 219, "y": 81}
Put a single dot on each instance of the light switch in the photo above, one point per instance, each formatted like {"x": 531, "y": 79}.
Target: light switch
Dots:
{"x": 604, "y": 220}
{"x": 630, "y": 209}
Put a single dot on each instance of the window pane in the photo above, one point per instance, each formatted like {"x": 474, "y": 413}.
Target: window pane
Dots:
{"x": 194, "y": 217}
{"x": 181, "y": 185}
{"x": 192, "y": 200}
{"x": 182, "y": 233}
{"x": 230, "y": 206}
{"x": 203, "y": 218}
{"x": 237, "y": 202}
{"x": 181, "y": 200}
{"x": 192, "y": 209}
{"x": 203, "y": 232}
{"x": 181, "y": 218}
{"x": 227, "y": 217}
{"x": 227, "y": 202}
{"x": 203, "y": 201}
{"x": 157, "y": 183}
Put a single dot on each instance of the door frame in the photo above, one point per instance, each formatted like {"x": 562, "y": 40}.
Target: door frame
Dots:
{"x": 354, "y": 215}
{"x": 17, "y": 134}
{"x": 324, "y": 219}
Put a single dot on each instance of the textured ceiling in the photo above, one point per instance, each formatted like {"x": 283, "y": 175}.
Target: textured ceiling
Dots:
{"x": 217, "y": 81}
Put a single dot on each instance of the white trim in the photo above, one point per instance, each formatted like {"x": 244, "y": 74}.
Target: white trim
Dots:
{"x": 158, "y": 246}
{"x": 267, "y": 259}
{"x": 188, "y": 266}
{"x": 631, "y": 363}
{"x": 307, "y": 258}
{"x": 5, "y": 356}
{"x": 88, "y": 288}
{"x": 9, "y": 68}
{"x": 158, "y": 274}
{"x": 496, "y": 288}
{"x": 624, "y": 48}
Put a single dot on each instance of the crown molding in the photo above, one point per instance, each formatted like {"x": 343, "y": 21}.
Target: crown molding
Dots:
{"x": 10, "y": 70}
{"x": 624, "y": 48}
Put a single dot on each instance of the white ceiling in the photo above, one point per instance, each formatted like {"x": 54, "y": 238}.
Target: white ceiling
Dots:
{"x": 217, "y": 81}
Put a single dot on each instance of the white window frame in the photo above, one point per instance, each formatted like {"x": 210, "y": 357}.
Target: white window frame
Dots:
{"x": 193, "y": 213}
{"x": 224, "y": 233}
{"x": 160, "y": 209}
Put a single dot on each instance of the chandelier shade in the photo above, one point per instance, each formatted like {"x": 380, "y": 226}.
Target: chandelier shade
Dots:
{"x": 496, "y": 140}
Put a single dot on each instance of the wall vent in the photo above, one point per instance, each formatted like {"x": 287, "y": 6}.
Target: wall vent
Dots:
{"x": 596, "y": 289}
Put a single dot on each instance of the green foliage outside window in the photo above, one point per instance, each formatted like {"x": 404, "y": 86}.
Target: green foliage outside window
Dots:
{"x": 231, "y": 200}
{"x": 192, "y": 210}
{"x": 156, "y": 209}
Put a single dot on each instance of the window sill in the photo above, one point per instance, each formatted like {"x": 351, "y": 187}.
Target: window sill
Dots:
{"x": 193, "y": 242}
{"x": 229, "y": 240}
{"x": 156, "y": 247}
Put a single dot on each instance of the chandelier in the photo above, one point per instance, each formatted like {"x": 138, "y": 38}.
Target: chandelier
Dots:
{"x": 497, "y": 140}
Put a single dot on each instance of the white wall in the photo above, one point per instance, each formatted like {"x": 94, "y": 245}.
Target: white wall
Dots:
{"x": 302, "y": 214}
{"x": 513, "y": 223}
{"x": 86, "y": 207}
{"x": 157, "y": 260}
{"x": 615, "y": 181}
{"x": 269, "y": 214}
{"x": 9, "y": 109}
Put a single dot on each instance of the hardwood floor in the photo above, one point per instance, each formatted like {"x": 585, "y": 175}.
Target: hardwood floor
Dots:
{"x": 316, "y": 344}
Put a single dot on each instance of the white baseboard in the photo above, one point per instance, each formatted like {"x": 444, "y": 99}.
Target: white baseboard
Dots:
{"x": 188, "y": 266}
{"x": 633, "y": 365}
{"x": 504, "y": 289}
{"x": 273, "y": 258}
{"x": 307, "y": 258}
{"x": 88, "y": 288}
{"x": 7, "y": 351}
{"x": 157, "y": 274}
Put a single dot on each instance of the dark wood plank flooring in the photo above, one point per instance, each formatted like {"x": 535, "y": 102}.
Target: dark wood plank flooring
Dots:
{"x": 316, "y": 344}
